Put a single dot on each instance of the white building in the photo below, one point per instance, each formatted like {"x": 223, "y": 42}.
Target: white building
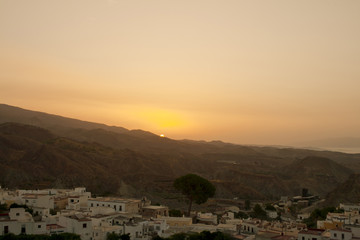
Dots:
{"x": 157, "y": 227}
{"x": 77, "y": 202}
{"x": 350, "y": 207}
{"x": 38, "y": 200}
{"x": 206, "y": 218}
{"x": 340, "y": 234}
{"x": 78, "y": 224}
{"x": 250, "y": 226}
{"x": 311, "y": 234}
{"x": 271, "y": 214}
{"x": 20, "y": 222}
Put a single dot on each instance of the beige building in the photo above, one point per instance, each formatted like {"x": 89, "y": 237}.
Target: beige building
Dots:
{"x": 154, "y": 211}
{"x": 177, "y": 221}
{"x": 119, "y": 204}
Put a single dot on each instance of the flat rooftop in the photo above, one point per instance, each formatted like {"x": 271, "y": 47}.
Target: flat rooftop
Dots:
{"x": 115, "y": 200}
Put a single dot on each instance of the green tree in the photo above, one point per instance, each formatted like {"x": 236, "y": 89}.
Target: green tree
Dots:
{"x": 112, "y": 236}
{"x": 258, "y": 212}
{"x": 125, "y": 236}
{"x": 195, "y": 188}
{"x": 175, "y": 213}
{"x": 3, "y": 207}
{"x": 247, "y": 204}
{"x": 270, "y": 207}
{"x": 241, "y": 215}
{"x": 27, "y": 209}
{"x": 318, "y": 214}
{"x": 178, "y": 236}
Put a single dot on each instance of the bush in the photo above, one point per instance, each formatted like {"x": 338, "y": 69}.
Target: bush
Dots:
{"x": 175, "y": 213}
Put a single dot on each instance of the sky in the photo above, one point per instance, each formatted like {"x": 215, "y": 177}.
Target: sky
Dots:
{"x": 272, "y": 72}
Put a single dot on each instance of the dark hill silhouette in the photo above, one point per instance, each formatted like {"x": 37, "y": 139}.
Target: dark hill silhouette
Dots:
{"x": 57, "y": 151}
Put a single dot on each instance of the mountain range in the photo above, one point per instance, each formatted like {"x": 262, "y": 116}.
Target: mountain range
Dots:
{"x": 39, "y": 150}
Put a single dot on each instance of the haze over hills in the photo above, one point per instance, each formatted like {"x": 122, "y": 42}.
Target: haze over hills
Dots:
{"x": 43, "y": 150}
{"x": 343, "y": 144}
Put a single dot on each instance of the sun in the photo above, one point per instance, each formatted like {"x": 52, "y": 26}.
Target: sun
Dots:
{"x": 162, "y": 135}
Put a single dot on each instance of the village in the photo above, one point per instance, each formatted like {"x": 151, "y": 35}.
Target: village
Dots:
{"x": 56, "y": 211}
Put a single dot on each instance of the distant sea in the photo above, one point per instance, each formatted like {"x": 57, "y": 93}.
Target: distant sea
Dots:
{"x": 344, "y": 150}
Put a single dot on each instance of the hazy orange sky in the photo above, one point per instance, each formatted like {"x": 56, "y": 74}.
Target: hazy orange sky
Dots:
{"x": 256, "y": 72}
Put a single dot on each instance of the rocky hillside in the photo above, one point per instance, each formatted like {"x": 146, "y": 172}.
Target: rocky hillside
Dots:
{"x": 347, "y": 192}
{"x": 61, "y": 152}
{"x": 319, "y": 175}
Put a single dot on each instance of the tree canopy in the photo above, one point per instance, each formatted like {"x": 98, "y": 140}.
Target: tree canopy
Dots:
{"x": 195, "y": 188}
{"x": 204, "y": 235}
{"x": 319, "y": 214}
{"x": 258, "y": 212}
{"x": 61, "y": 236}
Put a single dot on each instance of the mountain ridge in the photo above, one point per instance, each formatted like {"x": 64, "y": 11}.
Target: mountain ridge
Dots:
{"x": 125, "y": 163}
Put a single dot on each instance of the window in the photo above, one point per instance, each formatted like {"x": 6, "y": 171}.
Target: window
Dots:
{"x": 72, "y": 200}
{"x": 120, "y": 208}
{"x": 6, "y": 229}
{"x": 39, "y": 226}
{"x": 84, "y": 225}
{"x": 92, "y": 204}
{"x": 17, "y": 214}
{"x": 342, "y": 236}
